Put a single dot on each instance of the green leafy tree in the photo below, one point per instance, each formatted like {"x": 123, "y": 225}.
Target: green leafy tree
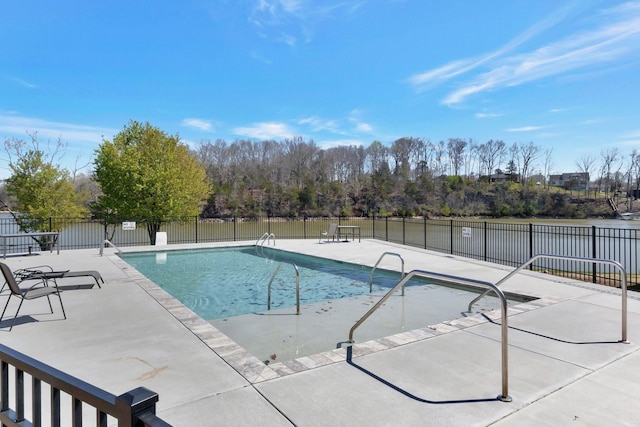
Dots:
{"x": 44, "y": 194}
{"x": 149, "y": 176}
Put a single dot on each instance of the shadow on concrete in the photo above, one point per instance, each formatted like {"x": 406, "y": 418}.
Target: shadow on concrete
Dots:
{"x": 411, "y": 395}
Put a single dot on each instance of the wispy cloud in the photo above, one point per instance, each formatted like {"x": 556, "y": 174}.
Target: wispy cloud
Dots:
{"x": 353, "y": 124}
{"x": 359, "y": 125}
{"x": 318, "y": 124}
{"x": 446, "y": 72}
{"x": 524, "y": 129}
{"x": 22, "y": 82}
{"x": 18, "y": 126}
{"x": 265, "y": 130}
{"x": 200, "y": 124}
{"x": 632, "y": 134}
{"x": 488, "y": 115}
{"x": 617, "y": 38}
{"x": 294, "y": 20}
{"x": 364, "y": 127}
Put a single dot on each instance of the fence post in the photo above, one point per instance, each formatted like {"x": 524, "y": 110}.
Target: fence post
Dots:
{"x": 196, "y": 228}
{"x": 424, "y": 230}
{"x": 404, "y": 242}
{"x": 235, "y": 221}
{"x": 373, "y": 226}
{"x": 386, "y": 229}
{"x": 50, "y": 222}
{"x": 530, "y": 244}
{"x": 140, "y": 401}
{"x": 594, "y": 254}
{"x": 304, "y": 226}
{"x": 486, "y": 239}
{"x": 268, "y": 224}
{"x": 451, "y": 236}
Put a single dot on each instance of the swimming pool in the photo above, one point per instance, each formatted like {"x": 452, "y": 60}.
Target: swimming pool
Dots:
{"x": 226, "y": 282}
{"x": 227, "y": 287}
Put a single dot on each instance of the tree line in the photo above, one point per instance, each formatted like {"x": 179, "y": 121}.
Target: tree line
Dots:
{"x": 410, "y": 176}
{"x": 146, "y": 174}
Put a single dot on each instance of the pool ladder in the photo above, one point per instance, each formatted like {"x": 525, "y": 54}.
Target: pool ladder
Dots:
{"x": 504, "y": 396}
{"x": 265, "y": 238}
{"x": 273, "y": 276}
{"x": 108, "y": 243}
{"x": 616, "y": 264}
{"x": 375, "y": 266}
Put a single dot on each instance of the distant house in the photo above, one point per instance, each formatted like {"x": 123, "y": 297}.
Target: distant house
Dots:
{"x": 500, "y": 176}
{"x": 570, "y": 181}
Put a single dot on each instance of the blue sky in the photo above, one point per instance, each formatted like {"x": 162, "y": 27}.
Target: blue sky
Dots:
{"x": 562, "y": 74}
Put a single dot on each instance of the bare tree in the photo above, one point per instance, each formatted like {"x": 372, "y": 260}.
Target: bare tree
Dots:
{"x": 529, "y": 153}
{"x": 404, "y": 152}
{"x": 609, "y": 157}
{"x": 585, "y": 164}
{"x": 470, "y": 157}
{"x": 377, "y": 154}
{"x": 440, "y": 151}
{"x": 495, "y": 151}
{"x": 548, "y": 165}
{"x": 455, "y": 150}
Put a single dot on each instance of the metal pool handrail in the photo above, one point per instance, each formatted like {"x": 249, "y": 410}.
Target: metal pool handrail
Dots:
{"x": 623, "y": 282}
{"x": 375, "y": 266}
{"x": 108, "y": 243}
{"x": 273, "y": 276}
{"x": 265, "y": 238}
{"x": 461, "y": 281}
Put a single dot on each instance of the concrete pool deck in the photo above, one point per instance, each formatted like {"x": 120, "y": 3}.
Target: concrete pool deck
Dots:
{"x": 565, "y": 362}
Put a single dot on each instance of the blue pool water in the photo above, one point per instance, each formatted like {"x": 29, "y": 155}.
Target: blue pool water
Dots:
{"x": 225, "y": 282}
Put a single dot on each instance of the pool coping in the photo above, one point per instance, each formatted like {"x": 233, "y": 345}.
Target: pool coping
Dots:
{"x": 256, "y": 371}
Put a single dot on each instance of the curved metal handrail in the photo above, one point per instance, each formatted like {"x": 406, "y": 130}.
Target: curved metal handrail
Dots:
{"x": 623, "y": 282}
{"x": 261, "y": 241}
{"x": 375, "y": 266}
{"x": 462, "y": 281}
{"x": 273, "y": 276}
{"x": 265, "y": 238}
{"x": 108, "y": 243}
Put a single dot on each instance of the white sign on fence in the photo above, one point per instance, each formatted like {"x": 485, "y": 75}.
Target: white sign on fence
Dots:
{"x": 466, "y": 231}
{"x": 129, "y": 225}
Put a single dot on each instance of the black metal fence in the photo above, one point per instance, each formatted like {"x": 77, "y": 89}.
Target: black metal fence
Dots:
{"x": 503, "y": 243}
{"x": 514, "y": 244}
{"x": 26, "y": 384}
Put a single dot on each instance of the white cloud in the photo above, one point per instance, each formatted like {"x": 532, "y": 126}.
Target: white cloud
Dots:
{"x": 293, "y": 20}
{"x": 364, "y": 127}
{"x": 19, "y": 125}
{"x": 487, "y": 115}
{"x": 79, "y": 140}
{"x": 204, "y": 125}
{"x": 265, "y": 130}
{"x": 319, "y": 124}
{"x": 24, "y": 83}
{"x": 524, "y": 129}
{"x": 631, "y": 143}
{"x": 455, "y": 68}
{"x": 616, "y": 39}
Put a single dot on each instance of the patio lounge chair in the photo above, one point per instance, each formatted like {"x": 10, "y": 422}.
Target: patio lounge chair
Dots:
{"x": 40, "y": 289}
{"x": 47, "y": 273}
{"x": 331, "y": 232}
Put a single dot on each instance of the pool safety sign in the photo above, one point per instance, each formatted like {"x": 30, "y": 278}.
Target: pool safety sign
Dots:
{"x": 129, "y": 225}
{"x": 466, "y": 232}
